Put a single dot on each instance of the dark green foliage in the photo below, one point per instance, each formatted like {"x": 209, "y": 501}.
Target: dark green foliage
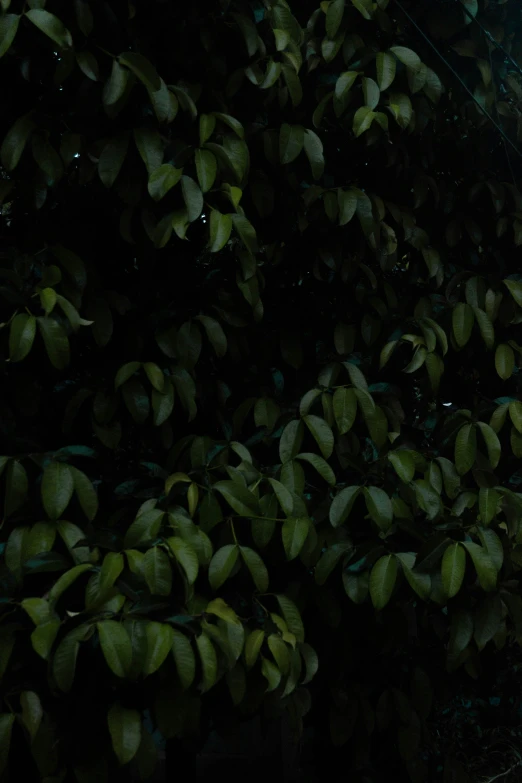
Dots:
{"x": 260, "y": 307}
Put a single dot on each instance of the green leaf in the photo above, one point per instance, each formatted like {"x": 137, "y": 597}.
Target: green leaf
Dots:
{"x": 184, "y": 657}
{"x": 362, "y": 120}
{"x": 57, "y": 489}
{"x": 112, "y": 567}
{"x": 294, "y": 533}
{"x": 291, "y": 142}
{"x": 142, "y": 68}
{"x": 116, "y": 646}
{"x": 428, "y": 498}
{"x": 220, "y": 609}
{"x": 253, "y": 645}
{"x": 162, "y": 404}
{"x": 215, "y": 333}
{"x": 311, "y": 661}
{"x": 492, "y": 443}
{"x": 88, "y": 64}
{"x": 347, "y": 202}
{"x": 150, "y": 147}
{"x": 66, "y": 580}
{"x": 403, "y": 464}
{"x": 321, "y": 432}
{"x": 465, "y": 448}
{"x": 125, "y": 731}
{"x": 487, "y": 329}
{"x": 382, "y": 580}
{"x": 38, "y": 609}
{"x": 256, "y": 567}
{"x": 116, "y": 85}
{"x": 329, "y": 559}
{"x": 157, "y": 571}
{"x": 51, "y": 26}
{"x": 144, "y": 529}
{"x": 232, "y": 123}
{"x": 86, "y": 494}
{"x": 136, "y": 400}
{"x": 155, "y": 375}
{"x": 272, "y": 674}
{"x": 379, "y": 507}
{"x": 220, "y": 229}
{"x": 48, "y": 299}
{"x": 163, "y": 179}
{"x": 291, "y": 440}
{"x": 43, "y": 636}
{"x": 284, "y": 496}
{"x": 280, "y": 652}
{"x": 8, "y": 27}
{"x": 515, "y": 412}
{"x": 56, "y": 342}
{"x": 21, "y": 336}
{"x": 334, "y": 17}
{"x": 246, "y": 232}
{"x": 418, "y": 581}
{"x": 206, "y": 168}
{"x": 493, "y": 546}
{"x": 112, "y": 158}
{"x": 453, "y": 569}
{"x": 222, "y": 564}
{"x": 371, "y": 92}
{"x": 504, "y": 361}
{"x": 386, "y": 66}
{"x": 488, "y": 619}
{"x": 186, "y": 557}
{"x": 313, "y": 147}
{"x": 6, "y": 725}
{"x": 461, "y": 632}
{"x": 32, "y": 712}
{"x": 407, "y": 56}
{"x": 193, "y": 198}
{"x": 160, "y": 637}
{"x": 462, "y": 323}
{"x": 342, "y": 504}
{"x": 64, "y": 659}
{"x": 239, "y": 498}
{"x": 486, "y": 571}
{"x": 344, "y": 408}
{"x": 208, "y": 657}
{"x": 291, "y": 616}
{"x": 515, "y": 289}
{"x": 321, "y": 466}
{"x": 15, "y": 140}
{"x": 489, "y": 500}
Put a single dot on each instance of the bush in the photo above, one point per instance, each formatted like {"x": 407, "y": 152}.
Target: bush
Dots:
{"x": 260, "y": 300}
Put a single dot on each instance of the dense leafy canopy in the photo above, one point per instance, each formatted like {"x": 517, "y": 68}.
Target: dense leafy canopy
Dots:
{"x": 260, "y": 302}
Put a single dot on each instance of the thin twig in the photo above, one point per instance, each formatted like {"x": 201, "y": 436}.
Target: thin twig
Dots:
{"x": 501, "y": 775}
